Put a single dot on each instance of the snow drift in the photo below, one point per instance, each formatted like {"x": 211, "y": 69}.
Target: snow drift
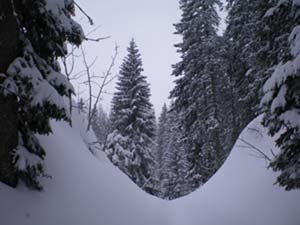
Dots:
{"x": 87, "y": 190}
{"x": 242, "y": 191}
{"x": 82, "y": 191}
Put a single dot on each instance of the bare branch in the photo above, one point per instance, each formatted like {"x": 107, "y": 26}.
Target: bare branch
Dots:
{"x": 272, "y": 152}
{"x": 89, "y": 85}
{"x": 93, "y": 30}
{"x": 84, "y": 13}
{"x": 104, "y": 82}
{"x": 257, "y": 150}
{"x": 110, "y": 80}
{"x": 96, "y": 39}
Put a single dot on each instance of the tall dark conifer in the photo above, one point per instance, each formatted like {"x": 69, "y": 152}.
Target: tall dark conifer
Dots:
{"x": 196, "y": 92}
{"x": 34, "y": 79}
{"x": 130, "y": 144}
{"x": 242, "y": 45}
{"x": 281, "y": 101}
{"x": 176, "y": 160}
{"x": 160, "y": 146}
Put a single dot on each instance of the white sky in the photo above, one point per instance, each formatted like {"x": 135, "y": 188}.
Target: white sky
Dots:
{"x": 150, "y": 23}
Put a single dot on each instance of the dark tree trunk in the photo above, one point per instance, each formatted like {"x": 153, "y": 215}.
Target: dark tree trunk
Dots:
{"x": 8, "y": 104}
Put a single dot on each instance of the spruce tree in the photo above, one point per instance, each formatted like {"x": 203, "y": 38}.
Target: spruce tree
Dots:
{"x": 34, "y": 77}
{"x": 160, "y": 142}
{"x": 161, "y": 138}
{"x": 101, "y": 125}
{"x": 176, "y": 145}
{"x": 196, "y": 92}
{"x": 174, "y": 174}
{"x": 168, "y": 162}
{"x": 130, "y": 144}
{"x": 242, "y": 44}
{"x": 281, "y": 101}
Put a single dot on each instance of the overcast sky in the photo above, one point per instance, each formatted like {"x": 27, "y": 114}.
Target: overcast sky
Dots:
{"x": 150, "y": 23}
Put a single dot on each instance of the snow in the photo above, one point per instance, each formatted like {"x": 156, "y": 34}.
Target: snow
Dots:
{"x": 271, "y": 11}
{"x": 241, "y": 192}
{"x": 279, "y": 101}
{"x": 83, "y": 189}
{"x": 291, "y": 117}
{"x": 296, "y": 2}
{"x": 25, "y": 157}
{"x": 89, "y": 190}
{"x": 26, "y": 69}
{"x": 282, "y": 73}
{"x": 55, "y": 7}
{"x": 294, "y": 40}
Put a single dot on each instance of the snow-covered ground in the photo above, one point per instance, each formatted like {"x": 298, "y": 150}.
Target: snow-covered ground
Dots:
{"x": 242, "y": 191}
{"x": 85, "y": 190}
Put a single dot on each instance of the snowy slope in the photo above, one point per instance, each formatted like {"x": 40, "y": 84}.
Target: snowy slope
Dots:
{"x": 242, "y": 191}
{"x": 83, "y": 191}
{"x": 89, "y": 191}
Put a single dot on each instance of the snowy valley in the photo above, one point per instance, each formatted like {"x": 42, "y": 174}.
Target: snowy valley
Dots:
{"x": 196, "y": 123}
{"x": 85, "y": 189}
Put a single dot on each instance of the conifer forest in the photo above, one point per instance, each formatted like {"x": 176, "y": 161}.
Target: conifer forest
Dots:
{"x": 193, "y": 119}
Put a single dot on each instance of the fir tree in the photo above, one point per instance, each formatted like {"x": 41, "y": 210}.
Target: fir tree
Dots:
{"x": 34, "y": 77}
{"x": 242, "y": 44}
{"x": 161, "y": 140}
{"x": 174, "y": 174}
{"x": 130, "y": 144}
{"x": 196, "y": 92}
{"x": 281, "y": 101}
{"x": 176, "y": 144}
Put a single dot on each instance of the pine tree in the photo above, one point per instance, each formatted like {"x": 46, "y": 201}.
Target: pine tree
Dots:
{"x": 197, "y": 85}
{"x": 130, "y": 144}
{"x": 281, "y": 101}
{"x": 44, "y": 28}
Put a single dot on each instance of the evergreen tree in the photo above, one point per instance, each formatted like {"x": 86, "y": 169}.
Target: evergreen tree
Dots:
{"x": 196, "y": 92}
{"x": 176, "y": 146}
{"x": 281, "y": 101}
{"x": 168, "y": 155}
{"x": 242, "y": 45}
{"x": 101, "y": 125}
{"x": 161, "y": 140}
{"x": 34, "y": 77}
{"x": 130, "y": 144}
{"x": 8, "y": 103}
{"x": 174, "y": 165}
{"x": 263, "y": 40}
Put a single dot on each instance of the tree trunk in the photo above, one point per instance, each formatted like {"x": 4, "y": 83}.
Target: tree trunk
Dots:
{"x": 8, "y": 104}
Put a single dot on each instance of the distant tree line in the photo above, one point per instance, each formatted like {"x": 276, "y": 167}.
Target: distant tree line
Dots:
{"x": 222, "y": 83}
